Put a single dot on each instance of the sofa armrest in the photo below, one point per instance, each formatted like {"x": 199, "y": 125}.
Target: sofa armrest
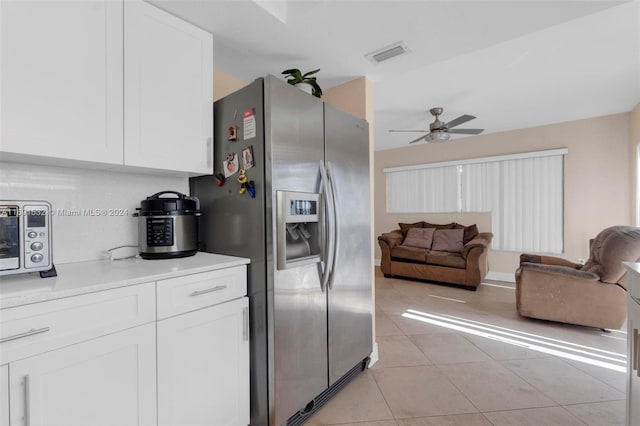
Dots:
{"x": 482, "y": 240}
{"x": 388, "y": 241}
{"x": 561, "y": 270}
{"x": 392, "y": 238}
{"x": 547, "y": 260}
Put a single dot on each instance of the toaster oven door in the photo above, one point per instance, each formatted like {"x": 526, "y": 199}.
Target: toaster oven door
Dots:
{"x": 9, "y": 238}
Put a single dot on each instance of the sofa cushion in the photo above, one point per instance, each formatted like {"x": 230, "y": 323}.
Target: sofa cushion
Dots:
{"x": 404, "y": 227}
{"x": 443, "y": 226}
{"x": 409, "y": 253}
{"x": 448, "y": 240}
{"x": 444, "y": 258}
{"x": 419, "y": 237}
{"x": 470, "y": 232}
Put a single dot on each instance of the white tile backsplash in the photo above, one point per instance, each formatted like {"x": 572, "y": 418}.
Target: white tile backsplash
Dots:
{"x": 91, "y": 209}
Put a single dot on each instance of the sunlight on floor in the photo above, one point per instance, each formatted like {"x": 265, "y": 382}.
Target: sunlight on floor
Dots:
{"x": 585, "y": 354}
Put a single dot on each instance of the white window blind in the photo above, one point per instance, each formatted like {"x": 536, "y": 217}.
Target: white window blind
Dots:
{"x": 429, "y": 190}
{"x": 523, "y": 192}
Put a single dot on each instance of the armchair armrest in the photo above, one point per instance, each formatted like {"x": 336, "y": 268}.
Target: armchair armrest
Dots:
{"x": 547, "y": 260}
{"x": 482, "y": 240}
{"x": 560, "y": 270}
{"x": 392, "y": 238}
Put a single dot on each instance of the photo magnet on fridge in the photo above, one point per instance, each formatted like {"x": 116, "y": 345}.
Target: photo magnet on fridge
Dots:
{"x": 233, "y": 133}
{"x": 247, "y": 157}
{"x": 230, "y": 164}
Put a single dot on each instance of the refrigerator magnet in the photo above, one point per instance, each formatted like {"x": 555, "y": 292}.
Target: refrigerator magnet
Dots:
{"x": 247, "y": 158}
{"x": 249, "y": 122}
{"x": 233, "y": 133}
{"x": 230, "y": 164}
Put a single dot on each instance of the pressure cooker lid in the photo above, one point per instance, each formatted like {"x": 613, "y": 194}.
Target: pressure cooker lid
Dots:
{"x": 180, "y": 204}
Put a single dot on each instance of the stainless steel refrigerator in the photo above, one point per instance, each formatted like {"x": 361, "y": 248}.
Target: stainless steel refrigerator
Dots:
{"x": 301, "y": 213}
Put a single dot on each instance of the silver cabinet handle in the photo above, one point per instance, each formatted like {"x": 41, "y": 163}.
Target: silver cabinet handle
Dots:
{"x": 245, "y": 324}
{"x": 209, "y": 290}
{"x": 25, "y": 334}
{"x": 27, "y": 404}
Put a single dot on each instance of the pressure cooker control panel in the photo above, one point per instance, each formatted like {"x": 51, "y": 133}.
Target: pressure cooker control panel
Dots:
{"x": 159, "y": 232}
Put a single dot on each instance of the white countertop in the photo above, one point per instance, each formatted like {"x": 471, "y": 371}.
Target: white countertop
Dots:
{"x": 87, "y": 277}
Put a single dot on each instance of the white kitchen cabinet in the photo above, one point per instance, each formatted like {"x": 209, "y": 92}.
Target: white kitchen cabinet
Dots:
{"x": 89, "y": 359}
{"x": 203, "y": 365}
{"x": 109, "y": 380}
{"x": 4, "y": 395}
{"x": 111, "y": 82}
{"x": 61, "y": 79}
{"x": 168, "y": 75}
{"x": 106, "y": 351}
{"x": 633, "y": 387}
{"x": 633, "y": 344}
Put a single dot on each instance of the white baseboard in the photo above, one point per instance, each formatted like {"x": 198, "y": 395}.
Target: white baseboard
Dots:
{"x": 374, "y": 355}
{"x": 376, "y": 262}
{"x": 501, "y": 276}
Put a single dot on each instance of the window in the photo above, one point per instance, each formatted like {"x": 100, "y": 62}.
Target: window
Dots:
{"x": 523, "y": 192}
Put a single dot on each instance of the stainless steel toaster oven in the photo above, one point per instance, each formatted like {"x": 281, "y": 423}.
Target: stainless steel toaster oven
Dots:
{"x": 25, "y": 237}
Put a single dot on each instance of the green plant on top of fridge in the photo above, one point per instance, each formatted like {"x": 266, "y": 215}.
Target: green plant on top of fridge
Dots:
{"x": 294, "y": 76}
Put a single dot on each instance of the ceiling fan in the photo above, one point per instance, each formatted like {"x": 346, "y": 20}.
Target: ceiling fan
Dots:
{"x": 439, "y": 131}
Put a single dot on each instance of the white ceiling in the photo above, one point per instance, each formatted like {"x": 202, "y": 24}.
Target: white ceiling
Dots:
{"x": 513, "y": 64}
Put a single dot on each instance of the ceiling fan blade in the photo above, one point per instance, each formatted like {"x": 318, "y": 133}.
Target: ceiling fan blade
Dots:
{"x": 412, "y": 131}
{"x": 466, "y": 131}
{"x": 458, "y": 121}
{"x": 418, "y": 139}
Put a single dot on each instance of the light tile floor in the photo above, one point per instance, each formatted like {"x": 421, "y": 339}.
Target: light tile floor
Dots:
{"x": 449, "y": 356}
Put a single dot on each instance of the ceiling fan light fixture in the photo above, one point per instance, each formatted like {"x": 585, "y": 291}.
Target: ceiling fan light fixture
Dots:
{"x": 437, "y": 137}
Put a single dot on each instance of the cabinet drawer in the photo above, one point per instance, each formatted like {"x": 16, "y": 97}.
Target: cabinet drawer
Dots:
{"x": 39, "y": 327}
{"x": 187, "y": 293}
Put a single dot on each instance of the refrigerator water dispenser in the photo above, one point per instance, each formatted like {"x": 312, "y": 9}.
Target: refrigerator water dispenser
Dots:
{"x": 298, "y": 228}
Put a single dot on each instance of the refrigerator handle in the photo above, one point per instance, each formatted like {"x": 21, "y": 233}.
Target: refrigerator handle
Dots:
{"x": 326, "y": 227}
{"x": 335, "y": 237}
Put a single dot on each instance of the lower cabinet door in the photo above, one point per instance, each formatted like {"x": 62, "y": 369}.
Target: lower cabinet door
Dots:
{"x": 203, "y": 367}
{"x": 633, "y": 367}
{"x": 109, "y": 380}
{"x": 4, "y": 395}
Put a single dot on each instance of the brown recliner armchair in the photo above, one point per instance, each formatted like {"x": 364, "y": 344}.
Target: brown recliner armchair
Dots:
{"x": 593, "y": 294}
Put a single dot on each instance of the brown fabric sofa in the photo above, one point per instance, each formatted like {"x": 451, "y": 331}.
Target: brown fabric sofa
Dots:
{"x": 466, "y": 268}
{"x": 593, "y": 294}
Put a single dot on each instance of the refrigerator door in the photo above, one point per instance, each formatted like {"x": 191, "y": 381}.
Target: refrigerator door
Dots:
{"x": 294, "y": 144}
{"x": 234, "y": 224}
{"x": 350, "y": 282}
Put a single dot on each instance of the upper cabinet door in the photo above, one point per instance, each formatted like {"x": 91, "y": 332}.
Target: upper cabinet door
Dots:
{"x": 168, "y": 77}
{"x": 61, "y": 79}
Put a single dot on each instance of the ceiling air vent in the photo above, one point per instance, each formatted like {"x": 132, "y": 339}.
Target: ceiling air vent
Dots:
{"x": 388, "y": 52}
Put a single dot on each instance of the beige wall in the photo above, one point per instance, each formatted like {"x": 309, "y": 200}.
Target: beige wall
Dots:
{"x": 353, "y": 97}
{"x": 224, "y": 84}
{"x": 634, "y": 141}
{"x": 597, "y": 178}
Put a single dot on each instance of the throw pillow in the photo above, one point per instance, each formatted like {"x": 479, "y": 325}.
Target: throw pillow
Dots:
{"x": 470, "y": 232}
{"x": 404, "y": 227}
{"x": 448, "y": 240}
{"x": 419, "y": 237}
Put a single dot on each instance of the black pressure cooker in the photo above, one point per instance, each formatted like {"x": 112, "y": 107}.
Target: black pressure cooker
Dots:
{"x": 168, "y": 226}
